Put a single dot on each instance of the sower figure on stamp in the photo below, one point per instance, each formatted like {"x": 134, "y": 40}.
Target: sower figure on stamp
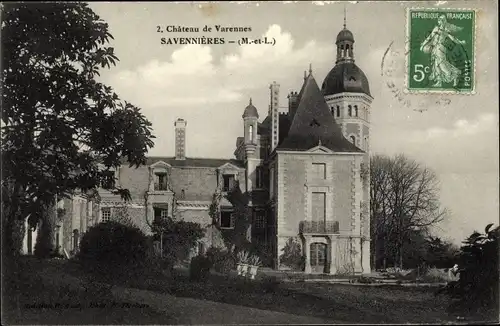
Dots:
{"x": 442, "y": 71}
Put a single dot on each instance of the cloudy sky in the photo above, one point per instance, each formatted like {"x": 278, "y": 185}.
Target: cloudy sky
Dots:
{"x": 210, "y": 85}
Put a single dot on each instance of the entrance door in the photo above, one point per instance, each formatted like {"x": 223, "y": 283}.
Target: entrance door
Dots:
{"x": 318, "y": 254}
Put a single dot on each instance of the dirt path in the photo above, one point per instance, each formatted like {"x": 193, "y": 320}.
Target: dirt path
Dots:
{"x": 195, "y": 311}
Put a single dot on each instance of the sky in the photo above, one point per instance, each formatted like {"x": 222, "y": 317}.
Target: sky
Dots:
{"x": 210, "y": 85}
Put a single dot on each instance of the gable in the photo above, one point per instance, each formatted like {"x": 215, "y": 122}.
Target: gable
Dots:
{"x": 160, "y": 164}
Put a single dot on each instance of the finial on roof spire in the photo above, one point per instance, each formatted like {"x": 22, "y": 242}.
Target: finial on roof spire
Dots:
{"x": 345, "y": 19}
{"x": 305, "y": 75}
{"x": 310, "y": 68}
{"x": 250, "y": 101}
{"x": 319, "y": 142}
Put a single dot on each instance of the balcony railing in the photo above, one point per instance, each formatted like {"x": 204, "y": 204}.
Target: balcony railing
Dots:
{"x": 319, "y": 227}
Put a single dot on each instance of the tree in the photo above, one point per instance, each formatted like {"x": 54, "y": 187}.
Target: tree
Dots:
{"x": 62, "y": 130}
{"x": 476, "y": 291}
{"x": 404, "y": 200}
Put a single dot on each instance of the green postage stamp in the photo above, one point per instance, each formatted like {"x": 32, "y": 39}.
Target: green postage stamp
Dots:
{"x": 440, "y": 50}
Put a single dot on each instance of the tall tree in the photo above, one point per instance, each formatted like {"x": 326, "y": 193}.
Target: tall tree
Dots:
{"x": 62, "y": 130}
{"x": 404, "y": 199}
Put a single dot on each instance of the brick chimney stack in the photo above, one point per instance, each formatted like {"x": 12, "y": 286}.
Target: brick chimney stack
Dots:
{"x": 180, "y": 139}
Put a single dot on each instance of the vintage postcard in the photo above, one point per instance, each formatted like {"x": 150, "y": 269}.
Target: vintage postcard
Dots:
{"x": 319, "y": 162}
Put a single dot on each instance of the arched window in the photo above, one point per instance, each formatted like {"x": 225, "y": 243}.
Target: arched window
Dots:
{"x": 338, "y": 111}
{"x": 349, "y": 110}
{"x": 353, "y": 140}
{"x": 347, "y": 47}
{"x": 250, "y": 133}
{"x": 356, "y": 110}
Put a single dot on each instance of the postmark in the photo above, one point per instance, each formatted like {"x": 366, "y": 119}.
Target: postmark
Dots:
{"x": 440, "y": 53}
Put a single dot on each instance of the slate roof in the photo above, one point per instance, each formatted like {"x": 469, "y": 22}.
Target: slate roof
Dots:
{"x": 250, "y": 111}
{"x": 313, "y": 124}
{"x": 194, "y": 162}
{"x": 345, "y": 77}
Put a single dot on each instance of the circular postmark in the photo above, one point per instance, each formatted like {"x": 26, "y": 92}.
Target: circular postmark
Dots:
{"x": 392, "y": 71}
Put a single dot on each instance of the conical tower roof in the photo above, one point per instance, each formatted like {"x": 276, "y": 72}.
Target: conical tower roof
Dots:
{"x": 314, "y": 125}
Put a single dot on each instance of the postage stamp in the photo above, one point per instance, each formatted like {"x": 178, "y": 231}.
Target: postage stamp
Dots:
{"x": 440, "y": 50}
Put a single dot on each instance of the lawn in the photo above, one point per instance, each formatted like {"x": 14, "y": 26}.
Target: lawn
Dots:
{"x": 27, "y": 300}
{"x": 335, "y": 302}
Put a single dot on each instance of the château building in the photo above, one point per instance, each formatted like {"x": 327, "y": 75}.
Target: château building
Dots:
{"x": 304, "y": 172}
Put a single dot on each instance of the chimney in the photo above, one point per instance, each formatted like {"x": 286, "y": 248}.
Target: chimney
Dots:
{"x": 180, "y": 139}
{"x": 274, "y": 110}
{"x": 293, "y": 103}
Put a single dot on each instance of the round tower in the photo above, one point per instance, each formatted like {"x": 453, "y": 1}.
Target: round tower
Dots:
{"x": 347, "y": 93}
{"x": 250, "y": 118}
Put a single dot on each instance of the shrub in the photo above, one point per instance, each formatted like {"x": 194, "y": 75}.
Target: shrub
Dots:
{"x": 222, "y": 260}
{"x": 113, "y": 248}
{"x": 179, "y": 237}
{"x": 292, "y": 255}
{"x": 199, "y": 269}
{"x": 477, "y": 288}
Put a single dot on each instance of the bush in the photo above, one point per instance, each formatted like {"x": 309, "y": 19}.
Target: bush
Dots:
{"x": 113, "y": 248}
{"x": 179, "y": 237}
{"x": 292, "y": 255}
{"x": 476, "y": 291}
{"x": 199, "y": 269}
{"x": 222, "y": 260}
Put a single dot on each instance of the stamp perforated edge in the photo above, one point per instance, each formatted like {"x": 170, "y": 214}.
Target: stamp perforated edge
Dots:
{"x": 406, "y": 89}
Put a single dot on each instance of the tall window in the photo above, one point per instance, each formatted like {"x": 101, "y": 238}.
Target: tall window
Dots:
{"x": 228, "y": 182}
{"x": 76, "y": 239}
{"x": 226, "y": 220}
{"x": 353, "y": 140}
{"x": 250, "y": 133}
{"x": 356, "y": 110}
{"x": 349, "y": 110}
{"x": 258, "y": 177}
{"x": 105, "y": 214}
{"x": 271, "y": 182}
{"x": 319, "y": 170}
{"x": 318, "y": 202}
{"x": 338, "y": 111}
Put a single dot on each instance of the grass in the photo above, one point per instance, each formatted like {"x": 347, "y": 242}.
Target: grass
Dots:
{"x": 29, "y": 300}
{"x": 381, "y": 304}
{"x": 328, "y": 301}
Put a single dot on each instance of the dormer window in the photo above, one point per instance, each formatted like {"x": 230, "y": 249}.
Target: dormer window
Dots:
{"x": 228, "y": 182}
{"x": 108, "y": 180}
{"x": 160, "y": 181}
{"x": 353, "y": 140}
